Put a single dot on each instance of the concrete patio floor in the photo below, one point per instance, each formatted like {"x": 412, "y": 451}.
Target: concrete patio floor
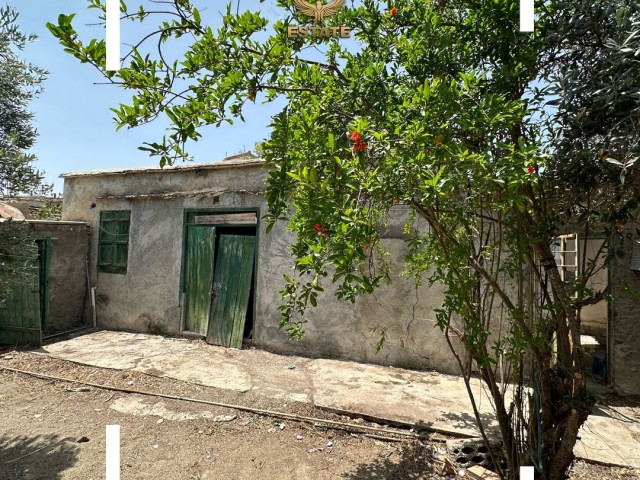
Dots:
{"x": 435, "y": 400}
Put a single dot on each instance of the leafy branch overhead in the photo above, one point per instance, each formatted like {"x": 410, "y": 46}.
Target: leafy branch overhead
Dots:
{"x": 486, "y": 141}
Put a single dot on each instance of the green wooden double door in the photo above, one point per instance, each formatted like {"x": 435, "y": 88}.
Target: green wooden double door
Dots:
{"x": 24, "y": 313}
{"x": 218, "y": 280}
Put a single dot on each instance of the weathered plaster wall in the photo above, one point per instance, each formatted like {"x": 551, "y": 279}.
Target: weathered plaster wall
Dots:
{"x": 67, "y": 272}
{"x": 624, "y": 325}
{"x": 344, "y": 330}
{"x": 147, "y": 297}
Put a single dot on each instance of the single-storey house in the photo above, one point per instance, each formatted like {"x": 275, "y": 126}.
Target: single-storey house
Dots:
{"x": 183, "y": 251}
{"x": 166, "y": 242}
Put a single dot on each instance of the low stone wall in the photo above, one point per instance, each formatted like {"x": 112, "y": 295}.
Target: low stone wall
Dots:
{"x": 67, "y": 280}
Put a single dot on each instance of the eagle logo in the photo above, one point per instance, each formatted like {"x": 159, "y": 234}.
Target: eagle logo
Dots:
{"x": 319, "y": 11}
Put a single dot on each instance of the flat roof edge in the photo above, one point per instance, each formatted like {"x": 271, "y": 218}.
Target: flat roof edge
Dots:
{"x": 176, "y": 168}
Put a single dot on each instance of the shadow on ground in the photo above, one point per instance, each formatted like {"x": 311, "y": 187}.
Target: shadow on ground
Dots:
{"x": 463, "y": 420}
{"x": 43, "y": 457}
{"x": 411, "y": 461}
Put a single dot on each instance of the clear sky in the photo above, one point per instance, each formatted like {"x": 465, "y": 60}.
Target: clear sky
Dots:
{"x": 73, "y": 117}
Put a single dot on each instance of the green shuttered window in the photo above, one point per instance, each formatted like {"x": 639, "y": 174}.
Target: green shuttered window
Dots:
{"x": 113, "y": 245}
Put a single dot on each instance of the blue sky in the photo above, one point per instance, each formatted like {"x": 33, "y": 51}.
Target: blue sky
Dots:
{"x": 73, "y": 117}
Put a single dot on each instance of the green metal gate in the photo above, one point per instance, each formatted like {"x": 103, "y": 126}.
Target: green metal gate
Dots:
{"x": 23, "y": 315}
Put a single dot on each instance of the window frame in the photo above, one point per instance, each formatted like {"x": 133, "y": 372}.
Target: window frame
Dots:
{"x": 107, "y": 237}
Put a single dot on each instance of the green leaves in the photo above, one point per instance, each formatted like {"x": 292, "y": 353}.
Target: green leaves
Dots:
{"x": 595, "y": 130}
{"x": 196, "y": 15}
{"x": 20, "y": 82}
{"x": 435, "y": 115}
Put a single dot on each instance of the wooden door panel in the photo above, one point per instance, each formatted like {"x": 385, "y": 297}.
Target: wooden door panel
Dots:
{"x": 198, "y": 277}
{"x": 232, "y": 287}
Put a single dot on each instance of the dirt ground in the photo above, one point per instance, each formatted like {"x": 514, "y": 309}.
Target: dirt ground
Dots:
{"x": 52, "y": 429}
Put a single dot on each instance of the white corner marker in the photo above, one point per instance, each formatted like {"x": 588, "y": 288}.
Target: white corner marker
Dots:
{"x": 113, "y": 35}
{"x": 113, "y": 452}
{"x": 526, "y": 473}
{"x": 526, "y": 15}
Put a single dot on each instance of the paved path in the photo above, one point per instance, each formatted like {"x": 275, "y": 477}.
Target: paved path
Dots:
{"x": 434, "y": 400}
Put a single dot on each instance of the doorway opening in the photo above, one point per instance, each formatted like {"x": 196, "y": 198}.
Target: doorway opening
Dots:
{"x": 248, "y": 231}
{"x": 577, "y": 258}
{"x": 219, "y": 276}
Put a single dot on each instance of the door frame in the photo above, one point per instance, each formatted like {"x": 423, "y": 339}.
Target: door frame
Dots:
{"x": 580, "y": 237}
{"x": 43, "y": 271}
{"x": 187, "y": 213}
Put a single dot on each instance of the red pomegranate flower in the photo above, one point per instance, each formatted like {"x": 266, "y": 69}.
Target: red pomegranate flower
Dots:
{"x": 360, "y": 146}
{"x": 321, "y": 230}
{"x": 531, "y": 169}
{"x": 393, "y": 11}
{"x": 355, "y": 137}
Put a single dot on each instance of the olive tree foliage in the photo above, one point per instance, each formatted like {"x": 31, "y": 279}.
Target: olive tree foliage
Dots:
{"x": 438, "y": 106}
{"x": 19, "y": 83}
{"x": 17, "y": 253}
{"x": 596, "y": 131}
